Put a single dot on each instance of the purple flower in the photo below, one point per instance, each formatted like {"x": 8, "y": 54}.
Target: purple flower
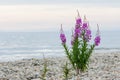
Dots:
{"x": 88, "y": 35}
{"x": 77, "y": 32}
{"x": 78, "y": 21}
{"x": 85, "y": 25}
{"x": 97, "y": 40}
{"x": 88, "y": 31}
{"x": 62, "y": 36}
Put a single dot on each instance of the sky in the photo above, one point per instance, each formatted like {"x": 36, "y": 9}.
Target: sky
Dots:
{"x": 47, "y": 15}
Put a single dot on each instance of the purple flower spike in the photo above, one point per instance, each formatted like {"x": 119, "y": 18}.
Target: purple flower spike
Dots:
{"x": 88, "y": 31}
{"x": 97, "y": 38}
{"x": 88, "y": 35}
{"x": 62, "y": 36}
{"x": 78, "y": 20}
{"x": 85, "y": 24}
{"x": 77, "y": 32}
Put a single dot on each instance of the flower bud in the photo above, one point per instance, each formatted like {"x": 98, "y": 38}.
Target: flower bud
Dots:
{"x": 62, "y": 36}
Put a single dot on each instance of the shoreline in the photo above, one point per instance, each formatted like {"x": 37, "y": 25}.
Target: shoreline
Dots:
{"x": 103, "y": 66}
{"x": 19, "y": 57}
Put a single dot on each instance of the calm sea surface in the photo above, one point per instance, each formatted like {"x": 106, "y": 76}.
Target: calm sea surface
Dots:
{"x": 19, "y": 45}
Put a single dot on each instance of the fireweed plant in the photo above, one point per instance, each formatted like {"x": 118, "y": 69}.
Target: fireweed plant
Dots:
{"x": 81, "y": 49}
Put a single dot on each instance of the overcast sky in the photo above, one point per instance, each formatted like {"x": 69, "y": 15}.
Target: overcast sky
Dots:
{"x": 57, "y": 1}
{"x": 47, "y": 15}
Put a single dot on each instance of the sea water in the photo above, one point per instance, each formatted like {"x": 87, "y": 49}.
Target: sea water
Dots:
{"x": 22, "y": 45}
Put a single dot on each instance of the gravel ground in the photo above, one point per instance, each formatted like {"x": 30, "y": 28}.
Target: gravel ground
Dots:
{"x": 103, "y": 66}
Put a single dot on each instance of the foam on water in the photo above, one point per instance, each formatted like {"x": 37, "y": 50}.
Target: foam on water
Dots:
{"x": 20, "y": 45}
{"x": 14, "y": 57}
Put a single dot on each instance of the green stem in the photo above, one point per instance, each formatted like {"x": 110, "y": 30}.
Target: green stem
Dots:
{"x": 68, "y": 55}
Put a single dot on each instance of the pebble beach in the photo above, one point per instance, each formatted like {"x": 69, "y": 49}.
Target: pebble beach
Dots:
{"x": 103, "y": 66}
